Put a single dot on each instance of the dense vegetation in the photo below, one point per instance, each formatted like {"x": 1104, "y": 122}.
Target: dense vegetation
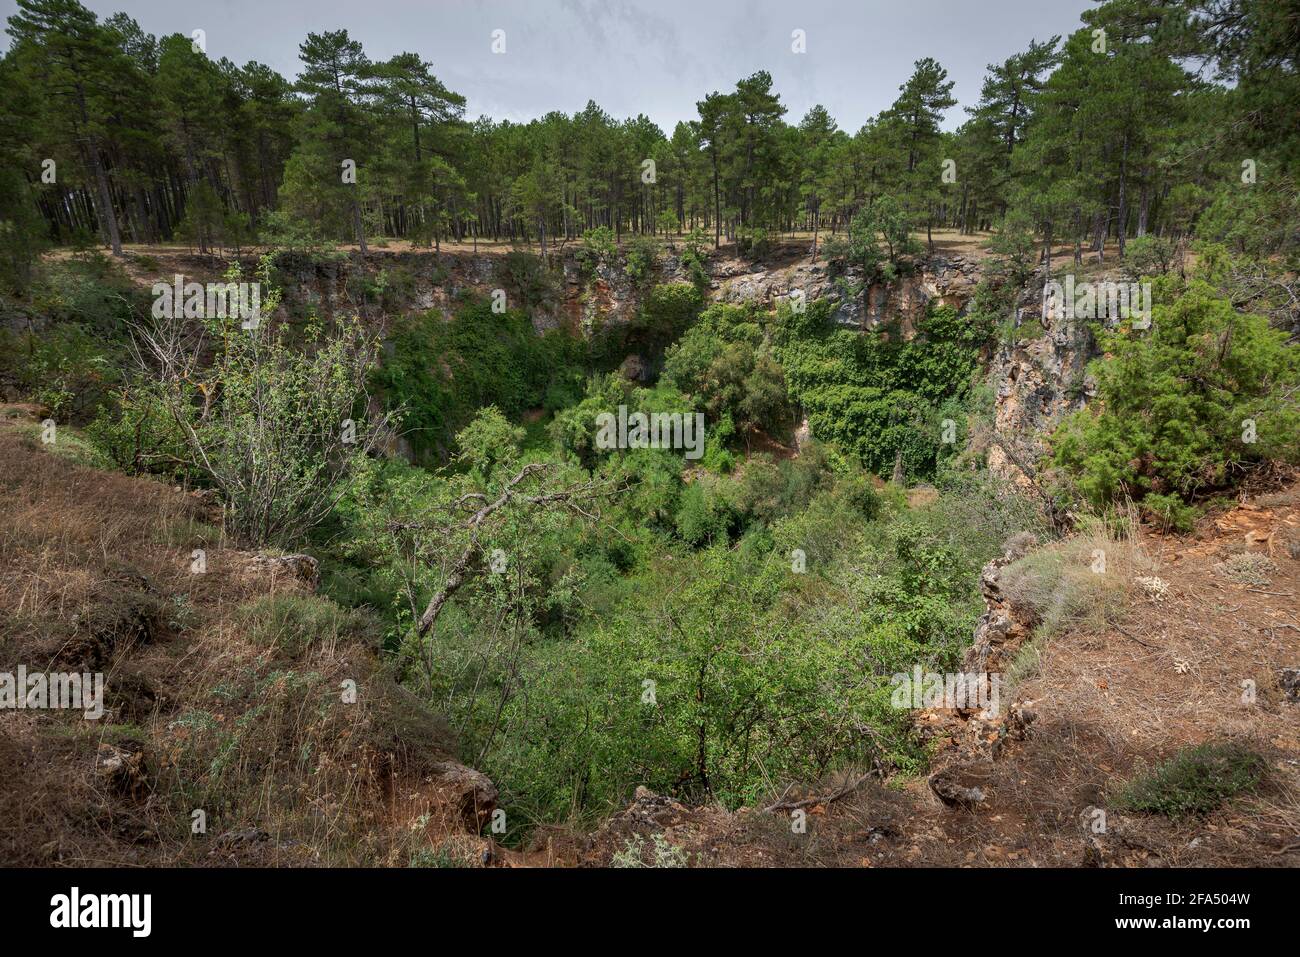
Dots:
{"x": 587, "y": 618}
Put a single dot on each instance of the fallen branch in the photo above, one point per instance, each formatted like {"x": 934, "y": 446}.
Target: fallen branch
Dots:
{"x": 1132, "y": 637}
{"x": 812, "y": 801}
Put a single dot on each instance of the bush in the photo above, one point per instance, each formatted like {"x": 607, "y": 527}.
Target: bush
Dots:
{"x": 529, "y": 281}
{"x": 1195, "y": 781}
{"x": 280, "y": 430}
{"x": 695, "y": 258}
{"x": 138, "y": 434}
{"x": 66, "y": 369}
{"x": 705, "y": 515}
{"x": 876, "y": 398}
{"x": 725, "y": 362}
{"x": 662, "y": 853}
{"x": 666, "y": 313}
{"x": 1149, "y": 255}
{"x": 1081, "y": 582}
{"x": 599, "y": 248}
{"x": 642, "y": 258}
{"x": 1184, "y": 408}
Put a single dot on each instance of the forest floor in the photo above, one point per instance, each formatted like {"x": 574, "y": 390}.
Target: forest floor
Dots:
{"x": 221, "y": 691}
{"x": 947, "y": 242}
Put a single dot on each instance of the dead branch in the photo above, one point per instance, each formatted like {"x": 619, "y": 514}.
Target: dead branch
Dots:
{"x": 813, "y": 801}
{"x": 468, "y": 558}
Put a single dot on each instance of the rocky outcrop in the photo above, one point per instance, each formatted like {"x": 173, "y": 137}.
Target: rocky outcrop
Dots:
{"x": 943, "y": 280}
{"x": 298, "y": 572}
{"x": 965, "y": 740}
{"x": 1001, "y": 630}
{"x": 122, "y": 769}
{"x": 1040, "y": 377}
{"x": 470, "y": 791}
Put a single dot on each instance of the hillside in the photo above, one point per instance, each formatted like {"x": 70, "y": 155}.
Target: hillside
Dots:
{"x": 217, "y": 700}
{"x": 225, "y": 695}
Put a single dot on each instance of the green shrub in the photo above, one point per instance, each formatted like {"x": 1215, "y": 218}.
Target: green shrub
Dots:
{"x": 66, "y": 368}
{"x": 598, "y": 248}
{"x": 667, "y": 312}
{"x": 878, "y": 398}
{"x": 530, "y": 283}
{"x": 642, "y": 258}
{"x": 1183, "y": 407}
{"x": 1194, "y": 781}
{"x": 695, "y": 258}
{"x": 1149, "y": 255}
{"x": 705, "y": 514}
{"x": 138, "y": 434}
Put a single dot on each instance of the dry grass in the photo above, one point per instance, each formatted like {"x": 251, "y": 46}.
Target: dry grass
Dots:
{"x": 1083, "y": 583}
{"x": 230, "y": 695}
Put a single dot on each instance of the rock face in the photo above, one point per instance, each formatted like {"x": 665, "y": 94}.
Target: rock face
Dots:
{"x": 1040, "y": 378}
{"x": 944, "y": 280}
{"x": 968, "y": 739}
{"x": 1000, "y": 631}
{"x": 471, "y": 791}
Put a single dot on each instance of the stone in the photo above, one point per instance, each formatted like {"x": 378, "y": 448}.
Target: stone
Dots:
{"x": 300, "y": 571}
{"x": 472, "y": 792}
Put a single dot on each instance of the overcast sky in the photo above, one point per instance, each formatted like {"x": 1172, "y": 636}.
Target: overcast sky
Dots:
{"x": 656, "y": 57}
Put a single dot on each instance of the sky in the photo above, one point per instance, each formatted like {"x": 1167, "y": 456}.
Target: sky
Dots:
{"x": 657, "y": 57}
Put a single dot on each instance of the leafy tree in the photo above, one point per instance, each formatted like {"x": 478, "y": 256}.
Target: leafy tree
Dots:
{"x": 1183, "y": 410}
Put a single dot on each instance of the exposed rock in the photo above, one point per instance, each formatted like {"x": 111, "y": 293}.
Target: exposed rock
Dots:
{"x": 968, "y": 734}
{"x": 244, "y": 837}
{"x": 123, "y": 611}
{"x": 635, "y": 369}
{"x": 965, "y": 737}
{"x": 296, "y": 571}
{"x": 1040, "y": 378}
{"x": 943, "y": 280}
{"x": 652, "y": 809}
{"x": 1001, "y": 629}
{"x": 122, "y": 769}
{"x": 471, "y": 791}
{"x": 803, "y": 434}
{"x": 952, "y": 787}
{"x": 1288, "y": 679}
{"x": 1117, "y": 840}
